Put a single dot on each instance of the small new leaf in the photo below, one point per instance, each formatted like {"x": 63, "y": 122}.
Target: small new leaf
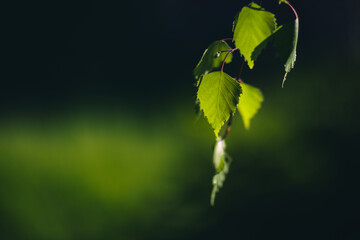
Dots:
{"x": 218, "y": 95}
{"x": 221, "y": 163}
{"x": 219, "y": 155}
{"x": 250, "y": 102}
{"x": 212, "y": 58}
{"x": 252, "y": 26}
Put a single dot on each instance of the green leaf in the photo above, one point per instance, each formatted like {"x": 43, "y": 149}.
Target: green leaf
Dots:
{"x": 250, "y": 103}
{"x": 253, "y": 26}
{"x": 222, "y": 164}
{"x": 283, "y": 1}
{"x": 218, "y": 95}
{"x": 212, "y": 58}
{"x": 285, "y": 40}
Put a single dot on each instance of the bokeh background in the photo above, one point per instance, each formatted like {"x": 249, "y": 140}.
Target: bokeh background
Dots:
{"x": 99, "y": 138}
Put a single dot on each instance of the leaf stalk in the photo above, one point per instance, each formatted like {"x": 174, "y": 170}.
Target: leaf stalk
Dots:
{"x": 292, "y": 8}
{"x": 228, "y": 128}
{"x": 231, "y": 51}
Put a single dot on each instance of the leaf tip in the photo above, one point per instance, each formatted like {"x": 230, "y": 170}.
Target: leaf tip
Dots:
{"x": 283, "y": 82}
{"x": 250, "y": 64}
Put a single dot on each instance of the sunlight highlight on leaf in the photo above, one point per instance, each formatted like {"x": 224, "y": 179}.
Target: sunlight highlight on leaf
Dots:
{"x": 252, "y": 26}
{"x": 218, "y": 95}
{"x": 250, "y": 102}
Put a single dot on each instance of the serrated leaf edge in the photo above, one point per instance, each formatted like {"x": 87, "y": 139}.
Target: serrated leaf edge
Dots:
{"x": 251, "y": 64}
{"x": 216, "y": 131}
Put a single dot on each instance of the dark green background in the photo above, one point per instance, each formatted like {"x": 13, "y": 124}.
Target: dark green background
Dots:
{"x": 99, "y": 137}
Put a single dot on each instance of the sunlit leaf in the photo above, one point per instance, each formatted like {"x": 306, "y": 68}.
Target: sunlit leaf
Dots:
{"x": 252, "y": 26}
{"x": 250, "y": 102}
{"x": 212, "y": 58}
{"x": 219, "y": 95}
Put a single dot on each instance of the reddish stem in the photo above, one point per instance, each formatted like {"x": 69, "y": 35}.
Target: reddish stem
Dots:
{"x": 296, "y": 15}
{"x": 227, "y": 39}
{"x": 241, "y": 68}
{"x": 228, "y": 129}
{"x": 232, "y": 50}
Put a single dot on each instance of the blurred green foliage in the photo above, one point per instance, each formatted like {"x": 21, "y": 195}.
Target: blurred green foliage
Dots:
{"x": 98, "y": 174}
{"x": 71, "y": 178}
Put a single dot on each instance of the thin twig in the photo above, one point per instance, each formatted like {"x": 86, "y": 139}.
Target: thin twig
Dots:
{"x": 226, "y": 39}
{"x": 296, "y": 15}
{"x": 232, "y": 50}
{"x": 224, "y": 51}
{"x": 287, "y": 3}
{"x": 241, "y": 68}
{"x": 228, "y": 128}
